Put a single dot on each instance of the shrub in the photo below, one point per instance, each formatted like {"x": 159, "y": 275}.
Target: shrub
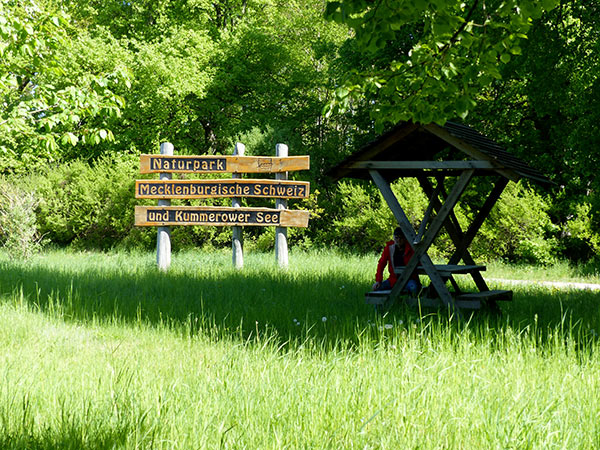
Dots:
{"x": 518, "y": 229}
{"x": 88, "y": 205}
{"x": 18, "y": 230}
{"x": 580, "y": 236}
{"x": 364, "y": 220}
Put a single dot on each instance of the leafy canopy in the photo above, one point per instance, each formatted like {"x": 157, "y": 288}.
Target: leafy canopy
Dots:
{"x": 46, "y": 102}
{"x": 446, "y": 51}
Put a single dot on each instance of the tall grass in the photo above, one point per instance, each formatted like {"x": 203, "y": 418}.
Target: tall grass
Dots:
{"x": 103, "y": 351}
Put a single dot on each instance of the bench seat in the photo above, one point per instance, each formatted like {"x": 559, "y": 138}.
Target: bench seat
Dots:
{"x": 487, "y": 295}
{"x": 471, "y": 300}
{"x": 446, "y": 270}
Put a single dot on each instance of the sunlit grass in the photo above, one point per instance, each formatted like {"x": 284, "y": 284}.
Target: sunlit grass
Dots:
{"x": 103, "y": 351}
{"x": 559, "y": 271}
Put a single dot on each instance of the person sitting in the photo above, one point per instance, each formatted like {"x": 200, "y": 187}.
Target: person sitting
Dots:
{"x": 395, "y": 255}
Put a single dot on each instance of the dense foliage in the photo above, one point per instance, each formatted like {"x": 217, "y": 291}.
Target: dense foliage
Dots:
{"x": 86, "y": 86}
{"x": 444, "y": 53}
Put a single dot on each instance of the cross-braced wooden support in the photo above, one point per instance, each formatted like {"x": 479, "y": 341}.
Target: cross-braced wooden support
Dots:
{"x": 433, "y": 152}
{"x": 443, "y": 204}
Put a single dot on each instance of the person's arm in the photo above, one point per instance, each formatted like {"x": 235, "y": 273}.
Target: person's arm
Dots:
{"x": 385, "y": 255}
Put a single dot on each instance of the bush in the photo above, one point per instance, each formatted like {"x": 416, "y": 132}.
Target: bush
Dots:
{"x": 518, "y": 229}
{"x": 18, "y": 230}
{"x": 580, "y": 237}
{"x": 90, "y": 206}
{"x": 365, "y": 222}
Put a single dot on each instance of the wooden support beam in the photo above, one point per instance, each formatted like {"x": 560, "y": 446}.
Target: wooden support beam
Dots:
{"x": 435, "y": 194}
{"x": 454, "y": 230}
{"x": 433, "y": 230}
{"x": 237, "y": 233}
{"x": 382, "y": 144}
{"x": 423, "y": 246}
{"x": 422, "y": 165}
{"x": 463, "y": 240}
{"x": 484, "y": 212}
{"x": 163, "y": 240}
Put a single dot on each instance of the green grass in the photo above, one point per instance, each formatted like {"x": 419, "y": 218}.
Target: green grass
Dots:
{"x": 560, "y": 271}
{"x": 101, "y": 351}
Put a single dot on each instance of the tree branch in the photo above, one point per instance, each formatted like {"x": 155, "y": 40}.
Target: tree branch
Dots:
{"x": 461, "y": 28}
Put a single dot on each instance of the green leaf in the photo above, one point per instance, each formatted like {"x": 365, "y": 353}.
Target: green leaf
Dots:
{"x": 69, "y": 138}
{"x": 26, "y": 50}
{"x": 549, "y": 4}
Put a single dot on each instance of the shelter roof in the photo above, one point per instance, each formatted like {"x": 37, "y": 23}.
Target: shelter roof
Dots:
{"x": 411, "y": 149}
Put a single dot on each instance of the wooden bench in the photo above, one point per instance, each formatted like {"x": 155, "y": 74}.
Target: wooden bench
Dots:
{"x": 471, "y": 300}
{"x": 377, "y": 297}
{"x": 446, "y": 270}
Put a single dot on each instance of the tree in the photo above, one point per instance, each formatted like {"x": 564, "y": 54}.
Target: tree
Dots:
{"x": 546, "y": 109}
{"x": 447, "y": 52}
{"x": 46, "y": 105}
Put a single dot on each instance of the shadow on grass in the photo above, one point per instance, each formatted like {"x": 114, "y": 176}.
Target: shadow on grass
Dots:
{"x": 235, "y": 302}
{"x": 327, "y": 305}
{"x": 69, "y": 439}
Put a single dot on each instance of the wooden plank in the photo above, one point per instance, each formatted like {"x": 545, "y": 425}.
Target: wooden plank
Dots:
{"x": 421, "y": 165}
{"x": 149, "y": 216}
{"x": 381, "y": 293}
{"x": 436, "y": 303}
{"x": 445, "y": 270}
{"x": 487, "y": 295}
{"x": 222, "y": 164}
{"x": 221, "y": 188}
{"x": 377, "y": 297}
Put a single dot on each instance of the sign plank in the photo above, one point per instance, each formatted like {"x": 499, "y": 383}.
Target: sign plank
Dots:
{"x": 149, "y": 216}
{"x": 222, "y": 164}
{"x": 221, "y": 188}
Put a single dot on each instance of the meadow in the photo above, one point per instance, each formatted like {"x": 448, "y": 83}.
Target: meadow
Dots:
{"x": 102, "y": 351}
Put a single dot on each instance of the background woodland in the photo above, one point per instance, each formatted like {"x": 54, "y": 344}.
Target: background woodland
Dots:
{"x": 87, "y": 85}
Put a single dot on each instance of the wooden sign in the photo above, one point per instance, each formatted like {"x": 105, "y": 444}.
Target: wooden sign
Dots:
{"x": 221, "y": 164}
{"x": 150, "y": 216}
{"x": 221, "y": 188}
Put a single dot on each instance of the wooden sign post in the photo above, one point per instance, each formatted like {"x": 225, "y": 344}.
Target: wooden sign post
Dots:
{"x": 163, "y": 240}
{"x": 164, "y": 215}
{"x": 281, "y": 247}
{"x": 237, "y": 238}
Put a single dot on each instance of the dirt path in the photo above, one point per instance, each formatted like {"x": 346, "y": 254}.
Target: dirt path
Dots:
{"x": 556, "y": 284}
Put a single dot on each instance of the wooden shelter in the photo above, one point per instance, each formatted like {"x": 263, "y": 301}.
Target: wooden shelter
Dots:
{"x": 444, "y": 159}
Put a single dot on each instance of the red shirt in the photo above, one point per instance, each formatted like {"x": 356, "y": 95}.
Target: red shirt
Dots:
{"x": 386, "y": 258}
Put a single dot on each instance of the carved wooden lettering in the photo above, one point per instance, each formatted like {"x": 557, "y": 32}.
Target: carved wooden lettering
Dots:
{"x": 221, "y": 164}
{"x": 218, "y": 216}
{"x": 221, "y": 188}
